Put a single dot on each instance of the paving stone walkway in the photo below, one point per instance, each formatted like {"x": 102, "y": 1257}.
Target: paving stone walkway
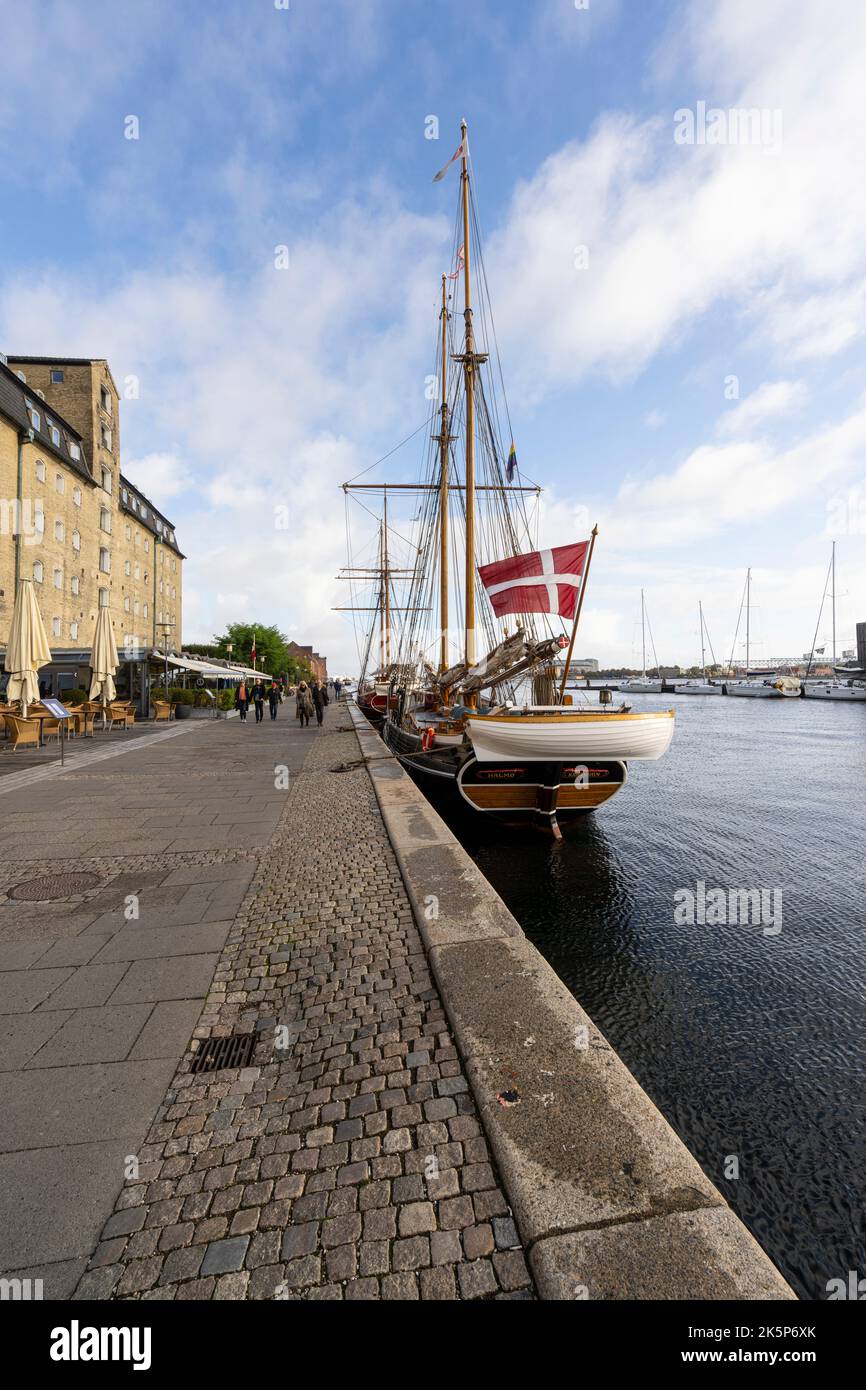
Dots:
{"x": 347, "y": 1160}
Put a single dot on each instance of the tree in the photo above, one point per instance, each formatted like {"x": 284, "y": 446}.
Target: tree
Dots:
{"x": 272, "y": 654}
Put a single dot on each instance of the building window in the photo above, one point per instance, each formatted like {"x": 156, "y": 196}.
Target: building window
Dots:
{"x": 73, "y": 630}
{"x": 55, "y": 627}
{"x": 107, "y": 479}
{"x": 105, "y": 435}
{"x": 39, "y": 519}
{"x": 38, "y": 571}
{"x": 76, "y": 540}
{"x": 59, "y": 530}
{"x": 76, "y": 496}
{"x": 40, "y": 471}
{"x": 54, "y": 432}
{"x": 144, "y": 512}
{"x": 125, "y": 495}
{"x": 135, "y": 504}
{"x": 74, "y": 450}
{"x": 56, "y": 376}
{"x": 59, "y": 483}
{"x": 159, "y": 526}
{"x": 126, "y": 604}
{"x": 58, "y": 579}
{"x": 105, "y": 519}
{"x": 35, "y": 417}
{"x": 104, "y": 560}
{"x": 105, "y": 399}
{"x": 76, "y": 585}
{"x": 103, "y": 598}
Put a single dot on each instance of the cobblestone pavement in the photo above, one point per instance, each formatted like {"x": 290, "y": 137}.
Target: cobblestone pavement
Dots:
{"x": 347, "y": 1160}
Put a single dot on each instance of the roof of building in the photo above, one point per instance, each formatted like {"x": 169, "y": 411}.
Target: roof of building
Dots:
{"x": 14, "y": 395}
{"x": 152, "y": 515}
{"x": 64, "y": 362}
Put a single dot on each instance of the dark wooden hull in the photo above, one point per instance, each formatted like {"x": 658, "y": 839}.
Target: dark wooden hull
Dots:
{"x": 513, "y": 793}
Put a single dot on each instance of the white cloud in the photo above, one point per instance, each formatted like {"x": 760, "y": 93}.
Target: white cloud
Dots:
{"x": 162, "y": 476}
{"x": 673, "y": 231}
{"x": 770, "y": 401}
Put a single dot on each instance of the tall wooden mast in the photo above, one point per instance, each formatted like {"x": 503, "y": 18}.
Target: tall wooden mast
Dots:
{"x": 386, "y": 587}
{"x": 444, "y": 440}
{"x": 471, "y": 361}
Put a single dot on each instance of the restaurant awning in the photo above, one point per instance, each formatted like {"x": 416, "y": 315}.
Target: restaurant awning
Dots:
{"x": 204, "y": 668}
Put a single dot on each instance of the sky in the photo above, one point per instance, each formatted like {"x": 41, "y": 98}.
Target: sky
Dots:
{"x": 679, "y": 297}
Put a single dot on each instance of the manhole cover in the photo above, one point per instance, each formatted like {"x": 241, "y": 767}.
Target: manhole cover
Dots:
{"x": 215, "y": 1054}
{"x": 51, "y": 886}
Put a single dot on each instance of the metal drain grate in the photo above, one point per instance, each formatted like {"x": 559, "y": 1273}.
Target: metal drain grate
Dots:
{"x": 53, "y": 886}
{"x": 216, "y": 1054}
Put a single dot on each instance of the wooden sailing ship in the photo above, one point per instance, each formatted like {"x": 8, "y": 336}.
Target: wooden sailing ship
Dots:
{"x": 496, "y": 735}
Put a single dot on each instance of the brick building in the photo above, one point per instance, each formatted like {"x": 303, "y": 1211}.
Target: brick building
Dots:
{"x": 73, "y": 523}
{"x": 318, "y": 664}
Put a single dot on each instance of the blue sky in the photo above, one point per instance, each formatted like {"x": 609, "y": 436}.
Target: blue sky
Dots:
{"x": 305, "y": 126}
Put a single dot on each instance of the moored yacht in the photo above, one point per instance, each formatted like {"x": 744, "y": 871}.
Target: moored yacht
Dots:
{"x": 643, "y": 684}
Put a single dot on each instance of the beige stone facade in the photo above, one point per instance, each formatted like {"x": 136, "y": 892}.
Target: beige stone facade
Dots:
{"x": 86, "y": 535}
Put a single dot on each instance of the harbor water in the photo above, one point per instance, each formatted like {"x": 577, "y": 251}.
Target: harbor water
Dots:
{"x": 750, "y": 1035}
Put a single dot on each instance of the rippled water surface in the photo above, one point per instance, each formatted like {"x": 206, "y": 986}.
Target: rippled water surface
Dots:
{"x": 751, "y": 1044}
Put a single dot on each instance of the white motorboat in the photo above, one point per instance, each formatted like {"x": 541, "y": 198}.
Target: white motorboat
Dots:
{"x": 834, "y": 690}
{"x": 700, "y": 688}
{"x": 641, "y": 686}
{"x": 753, "y": 689}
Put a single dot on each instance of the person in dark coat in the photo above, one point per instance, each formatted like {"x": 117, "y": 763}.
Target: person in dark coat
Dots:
{"x": 319, "y": 692}
{"x": 242, "y": 700}
{"x": 337, "y": 688}
{"x": 273, "y": 698}
{"x": 303, "y": 704}
{"x": 259, "y": 701}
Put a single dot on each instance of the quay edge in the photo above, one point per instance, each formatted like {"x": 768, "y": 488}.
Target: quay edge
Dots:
{"x": 608, "y": 1200}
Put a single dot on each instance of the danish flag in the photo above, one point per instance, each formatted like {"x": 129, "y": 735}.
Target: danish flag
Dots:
{"x": 545, "y": 581}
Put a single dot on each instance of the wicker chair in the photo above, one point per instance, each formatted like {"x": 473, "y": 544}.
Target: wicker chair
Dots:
{"x": 22, "y": 732}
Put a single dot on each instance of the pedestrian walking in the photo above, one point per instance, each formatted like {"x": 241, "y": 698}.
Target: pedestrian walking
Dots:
{"x": 259, "y": 701}
{"x": 273, "y": 698}
{"x": 337, "y": 687}
{"x": 242, "y": 700}
{"x": 303, "y": 704}
{"x": 319, "y": 693}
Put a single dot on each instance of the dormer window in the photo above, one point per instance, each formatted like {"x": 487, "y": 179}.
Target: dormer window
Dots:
{"x": 35, "y": 417}
{"x": 125, "y": 495}
{"x": 74, "y": 450}
{"x": 54, "y": 432}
